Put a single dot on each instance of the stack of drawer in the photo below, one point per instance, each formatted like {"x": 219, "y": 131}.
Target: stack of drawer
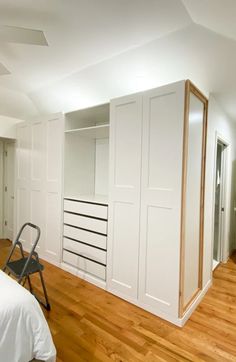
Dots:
{"x": 85, "y": 236}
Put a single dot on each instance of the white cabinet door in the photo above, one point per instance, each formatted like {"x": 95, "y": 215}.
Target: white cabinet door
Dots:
{"x": 22, "y": 194}
{"x": 37, "y": 172}
{"x": 54, "y": 148}
{"x": 163, "y": 115}
{"x": 39, "y": 183}
{"x": 124, "y": 198}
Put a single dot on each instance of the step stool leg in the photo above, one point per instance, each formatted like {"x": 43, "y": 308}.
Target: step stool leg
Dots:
{"x": 30, "y": 285}
{"x": 44, "y": 290}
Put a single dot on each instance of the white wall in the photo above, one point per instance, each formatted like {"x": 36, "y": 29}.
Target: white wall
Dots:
{"x": 8, "y": 127}
{"x": 181, "y": 55}
{"x": 219, "y": 123}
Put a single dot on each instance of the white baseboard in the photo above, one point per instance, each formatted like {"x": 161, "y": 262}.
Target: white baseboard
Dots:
{"x": 195, "y": 303}
{"x": 43, "y": 257}
{"x": 50, "y": 261}
{"x": 83, "y": 275}
{"x": 148, "y": 308}
{"x": 179, "y": 322}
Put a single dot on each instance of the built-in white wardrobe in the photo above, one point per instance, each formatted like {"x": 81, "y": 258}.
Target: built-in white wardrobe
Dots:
{"x": 156, "y": 199}
{"x": 130, "y": 216}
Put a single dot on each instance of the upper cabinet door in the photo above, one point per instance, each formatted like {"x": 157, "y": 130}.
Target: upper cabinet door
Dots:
{"x": 124, "y": 198}
{"x": 163, "y": 115}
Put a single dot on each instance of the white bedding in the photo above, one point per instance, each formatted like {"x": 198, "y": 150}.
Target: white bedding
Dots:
{"x": 24, "y": 333}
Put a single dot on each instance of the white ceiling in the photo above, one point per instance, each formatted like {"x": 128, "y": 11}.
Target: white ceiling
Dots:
{"x": 104, "y": 48}
{"x": 217, "y": 15}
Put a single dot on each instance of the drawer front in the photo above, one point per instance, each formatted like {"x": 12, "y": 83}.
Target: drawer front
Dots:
{"x": 86, "y": 237}
{"x": 86, "y": 209}
{"x": 84, "y": 222}
{"x": 86, "y": 250}
{"x": 88, "y": 266}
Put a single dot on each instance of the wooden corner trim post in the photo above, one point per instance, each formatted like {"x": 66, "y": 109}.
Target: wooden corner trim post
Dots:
{"x": 191, "y": 88}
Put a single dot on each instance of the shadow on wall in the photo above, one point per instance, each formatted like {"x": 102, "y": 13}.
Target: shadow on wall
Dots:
{"x": 232, "y": 234}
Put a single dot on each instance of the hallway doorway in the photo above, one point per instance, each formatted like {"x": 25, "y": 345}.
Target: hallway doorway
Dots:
{"x": 219, "y": 208}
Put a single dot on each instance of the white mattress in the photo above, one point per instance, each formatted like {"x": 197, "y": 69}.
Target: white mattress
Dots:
{"x": 24, "y": 333}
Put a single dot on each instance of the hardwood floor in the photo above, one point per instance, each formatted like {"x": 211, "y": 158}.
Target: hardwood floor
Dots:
{"x": 89, "y": 324}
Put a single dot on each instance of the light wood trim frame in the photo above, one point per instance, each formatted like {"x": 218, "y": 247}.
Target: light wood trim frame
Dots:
{"x": 191, "y": 88}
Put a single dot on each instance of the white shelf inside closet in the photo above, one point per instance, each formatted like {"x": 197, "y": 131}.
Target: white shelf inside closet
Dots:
{"x": 93, "y": 198}
{"x": 94, "y": 132}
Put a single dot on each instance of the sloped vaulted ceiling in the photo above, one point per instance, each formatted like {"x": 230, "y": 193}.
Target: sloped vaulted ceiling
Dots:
{"x": 216, "y": 15}
{"x": 100, "y": 49}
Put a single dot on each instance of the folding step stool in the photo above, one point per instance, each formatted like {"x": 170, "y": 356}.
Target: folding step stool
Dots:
{"x": 27, "y": 265}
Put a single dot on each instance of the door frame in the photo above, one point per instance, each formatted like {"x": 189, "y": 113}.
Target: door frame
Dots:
{"x": 5, "y": 181}
{"x": 224, "y": 141}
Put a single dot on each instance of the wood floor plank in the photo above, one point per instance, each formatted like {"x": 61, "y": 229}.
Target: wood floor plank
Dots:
{"x": 89, "y": 324}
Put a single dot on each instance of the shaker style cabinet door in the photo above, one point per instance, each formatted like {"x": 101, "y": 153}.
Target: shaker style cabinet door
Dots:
{"x": 54, "y": 135}
{"x": 163, "y": 116}
{"x": 39, "y": 183}
{"x": 124, "y": 198}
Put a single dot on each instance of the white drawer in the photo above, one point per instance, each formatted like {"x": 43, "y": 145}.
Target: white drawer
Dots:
{"x": 88, "y": 266}
{"x": 86, "y": 236}
{"x": 86, "y": 209}
{"x": 84, "y": 222}
{"x": 86, "y": 250}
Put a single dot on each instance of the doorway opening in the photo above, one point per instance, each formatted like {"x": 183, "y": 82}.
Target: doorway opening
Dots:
{"x": 219, "y": 207}
{"x": 7, "y": 166}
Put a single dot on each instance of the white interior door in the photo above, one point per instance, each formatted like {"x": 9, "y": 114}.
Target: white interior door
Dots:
{"x": 9, "y": 188}
{"x": 163, "y": 116}
{"x": 219, "y": 202}
{"x": 124, "y": 197}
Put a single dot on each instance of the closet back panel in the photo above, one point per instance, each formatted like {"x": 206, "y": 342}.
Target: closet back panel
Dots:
{"x": 79, "y": 165}
{"x": 101, "y": 166}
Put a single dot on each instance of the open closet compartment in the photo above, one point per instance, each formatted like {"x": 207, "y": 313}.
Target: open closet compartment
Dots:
{"x": 86, "y": 192}
{"x": 86, "y": 153}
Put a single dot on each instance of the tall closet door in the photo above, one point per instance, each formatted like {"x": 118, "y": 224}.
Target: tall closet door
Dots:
{"x": 163, "y": 115}
{"x": 22, "y": 172}
{"x": 124, "y": 197}
{"x": 54, "y": 148}
{"x": 39, "y": 182}
{"x": 37, "y": 171}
